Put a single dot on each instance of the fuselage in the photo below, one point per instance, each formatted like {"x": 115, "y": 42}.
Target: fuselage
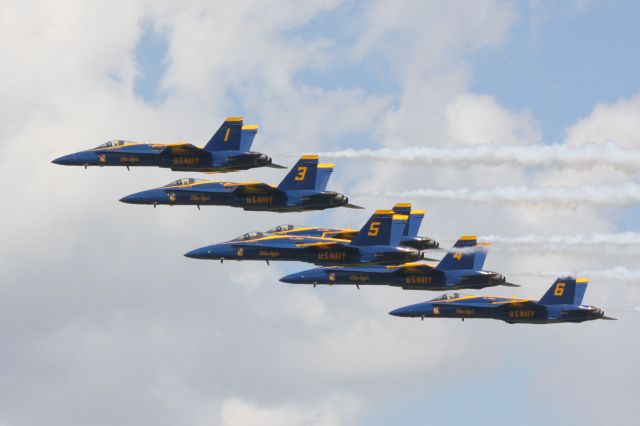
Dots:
{"x": 319, "y": 251}
{"x": 408, "y": 276}
{"x": 500, "y": 308}
{"x": 178, "y": 157}
{"x": 249, "y": 196}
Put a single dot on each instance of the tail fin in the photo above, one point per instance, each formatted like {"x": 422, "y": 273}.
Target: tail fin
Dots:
{"x": 247, "y": 133}
{"x": 383, "y": 228}
{"x": 415, "y": 218}
{"x": 307, "y": 174}
{"x": 566, "y": 290}
{"x": 467, "y": 257}
{"x": 227, "y": 137}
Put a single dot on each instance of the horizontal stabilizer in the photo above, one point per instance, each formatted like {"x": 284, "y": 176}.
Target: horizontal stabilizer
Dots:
{"x": 510, "y": 285}
{"x": 609, "y": 318}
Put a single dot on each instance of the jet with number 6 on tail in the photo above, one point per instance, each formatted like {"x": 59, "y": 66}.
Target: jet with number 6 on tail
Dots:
{"x": 561, "y": 303}
{"x": 228, "y": 150}
{"x": 459, "y": 269}
{"x": 376, "y": 243}
{"x": 303, "y": 189}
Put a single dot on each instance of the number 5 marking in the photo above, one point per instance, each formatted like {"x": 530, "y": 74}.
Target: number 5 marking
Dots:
{"x": 374, "y": 228}
{"x": 559, "y": 291}
{"x": 302, "y": 172}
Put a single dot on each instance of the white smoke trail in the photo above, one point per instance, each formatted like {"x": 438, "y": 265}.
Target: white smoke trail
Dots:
{"x": 559, "y": 197}
{"x": 588, "y": 239}
{"x": 586, "y": 156}
{"x": 617, "y": 273}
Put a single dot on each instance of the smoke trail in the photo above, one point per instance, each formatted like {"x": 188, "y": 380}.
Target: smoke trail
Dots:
{"x": 590, "y": 239}
{"x": 560, "y": 197}
{"x": 496, "y": 155}
{"x": 618, "y": 273}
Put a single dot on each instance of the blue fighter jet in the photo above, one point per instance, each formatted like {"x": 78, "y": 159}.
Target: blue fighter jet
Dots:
{"x": 410, "y": 236}
{"x": 228, "y": 150}
{"x": 461, "y": 268}
{"x": 376, "y": 243}
{"x": 561, "y": 303}
{"x": 303, "y": 189}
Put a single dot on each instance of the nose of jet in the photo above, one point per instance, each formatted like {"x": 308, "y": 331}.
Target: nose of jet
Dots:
{"x": 311, "y": 276}
{"x": 216, "y": 251}
{"x": 152, "y": 196}
{"x": 69, "y": 160}
{"x": 413, "y": 311}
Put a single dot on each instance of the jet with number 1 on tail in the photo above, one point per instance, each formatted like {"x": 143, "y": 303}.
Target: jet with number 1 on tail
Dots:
{"x": 561, "y": 303}
{"x": 459, "y": 269}
{"x": 303, "y": 189}
{"x": 228, "y": 150}
{"x": 376, "y": 243}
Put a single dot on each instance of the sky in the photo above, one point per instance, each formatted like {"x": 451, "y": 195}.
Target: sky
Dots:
{"x": 105, "y": 322}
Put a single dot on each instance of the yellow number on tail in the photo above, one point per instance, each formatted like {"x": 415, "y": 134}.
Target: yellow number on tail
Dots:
{"x": 226, "y": 135}
{"x": 374, "y": 228}
{"x": 302, "y": 172}
{"x": 457, "y": 255}
{"x": 559, "y": 291}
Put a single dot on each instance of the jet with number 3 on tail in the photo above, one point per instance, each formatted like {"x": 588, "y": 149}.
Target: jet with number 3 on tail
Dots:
{"x": 561, "y": 303}
{"x": 461, "y": 269}
{"x": 376, "y": 243}
{"x": 303, "y": 189}
{"x": 228, "y": 150}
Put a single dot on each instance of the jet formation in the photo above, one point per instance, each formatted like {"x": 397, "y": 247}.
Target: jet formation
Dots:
{"x": 386, "y": 251}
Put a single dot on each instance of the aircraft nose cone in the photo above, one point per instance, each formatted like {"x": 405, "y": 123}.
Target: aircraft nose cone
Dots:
{"x": 402, "y": 312}
{"x": 200, "y": 253}
{"x": 312, "y": 276}
{"x": 152, "y": 196}
{"x": 137, "y": 198}
{"x": 66, "y": 160}
{"x": 413, "y": 311}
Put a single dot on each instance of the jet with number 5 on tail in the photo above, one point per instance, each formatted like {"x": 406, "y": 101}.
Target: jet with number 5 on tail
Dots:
{"x": 228, "y": 150}
{"x": 561, "y": 303}
{"x": 459, "y": 269}
{"x": 410, "y": 236}
{"x": 303, "y": 189}
{"x": 376, "y": 243}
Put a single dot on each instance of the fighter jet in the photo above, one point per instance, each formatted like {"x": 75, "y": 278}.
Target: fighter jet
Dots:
{"x": 561, "y": 303}
{"x": 460, "y": 268}
{"x": 410, "y": 236}
{"x": 376, "y": 243}
{"x": 303, "y": 189}
{"x": 228, "y": 150}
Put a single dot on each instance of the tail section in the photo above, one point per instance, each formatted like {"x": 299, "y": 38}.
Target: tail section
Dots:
{"x": 465, "y": 255}
{"x": 566, "y": 290}
{"x": 415, "y": 218}
{"x": 307, "y": 174}
{"x": 247, "y": 133}
{"x": 383, "y": 228}
{"x": 227, "y": 137}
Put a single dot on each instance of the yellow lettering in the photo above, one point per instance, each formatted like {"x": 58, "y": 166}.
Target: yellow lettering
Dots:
{"x": 302, "y": 172}
{"x": 559, "y": 291}
{"x": 226, "y": 135}
{"x": 374, "y": 229}
{"x": 457, "y": 255}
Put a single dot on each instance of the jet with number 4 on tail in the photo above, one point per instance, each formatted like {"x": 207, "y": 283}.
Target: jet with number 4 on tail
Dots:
{"x": 459, "y": 269}
{"x": 376, "y": 243}
{"x": 228, "y": 150}
{"x": 303, "y": 189}
{"x": 410, "y": 236}
{"x": 561, "y": 303}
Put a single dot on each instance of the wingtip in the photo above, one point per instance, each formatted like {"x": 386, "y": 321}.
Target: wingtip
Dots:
{"x": 353, "y": 206}
{"x": 276, "y": 166}
{"x": 610, "y": 318}
{"x": 511, "y": 285}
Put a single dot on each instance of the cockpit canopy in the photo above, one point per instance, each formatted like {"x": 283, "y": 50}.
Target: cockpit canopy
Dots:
{"x": 184, "y": 181}
{"x": 249, "y": 236}
{"x": 111, "y": 144}
{"x": 280, "y": 228}
{"x": 448, "y": 296}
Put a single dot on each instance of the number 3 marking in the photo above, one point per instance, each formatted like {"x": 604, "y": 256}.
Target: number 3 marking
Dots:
{"x": 302, "y": 172}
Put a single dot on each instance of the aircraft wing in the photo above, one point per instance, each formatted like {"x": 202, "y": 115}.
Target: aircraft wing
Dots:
{"x": 182, "y": 148}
